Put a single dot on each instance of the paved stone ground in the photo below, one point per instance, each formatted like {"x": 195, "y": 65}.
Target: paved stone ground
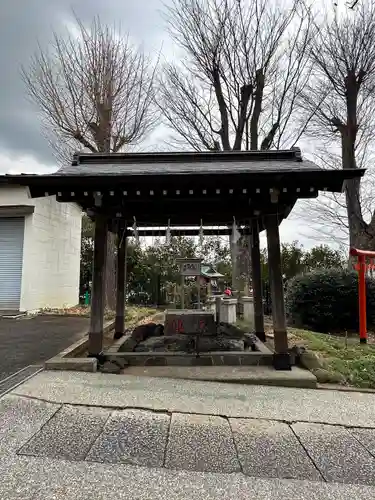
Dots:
{"x": 199, "y": 443}
{"x": 30, "y": 341}
{"x": 353, "y": 409}
{"x": 74, "y": 449}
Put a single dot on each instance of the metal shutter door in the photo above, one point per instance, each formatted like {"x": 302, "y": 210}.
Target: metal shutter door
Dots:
{"x": 11, "y": 252}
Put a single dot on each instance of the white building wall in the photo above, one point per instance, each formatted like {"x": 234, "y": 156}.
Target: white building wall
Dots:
{"x": 15, "y": 195}
{"x": 51, "y": 254}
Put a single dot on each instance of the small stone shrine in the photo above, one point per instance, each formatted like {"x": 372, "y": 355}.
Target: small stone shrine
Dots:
{"x": 189, "y": 322}
{"x": 191, "y": 337}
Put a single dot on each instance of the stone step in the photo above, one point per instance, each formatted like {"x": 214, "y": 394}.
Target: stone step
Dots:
{"x": 249, "y": 375}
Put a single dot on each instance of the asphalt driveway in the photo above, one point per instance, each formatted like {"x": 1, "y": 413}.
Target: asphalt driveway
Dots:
{"x": 32, "y": 340}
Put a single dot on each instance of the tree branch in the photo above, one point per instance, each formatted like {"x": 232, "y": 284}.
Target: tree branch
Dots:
{"x": 94, "y": 91}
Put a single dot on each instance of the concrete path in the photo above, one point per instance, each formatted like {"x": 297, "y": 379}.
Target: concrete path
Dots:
{"x": 210, "y": 398}
{"x": 79, "y": 436}
{"x": 32, "y": 340}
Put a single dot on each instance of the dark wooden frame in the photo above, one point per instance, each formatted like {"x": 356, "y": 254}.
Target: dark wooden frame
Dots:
{"x": 193, "y": 188}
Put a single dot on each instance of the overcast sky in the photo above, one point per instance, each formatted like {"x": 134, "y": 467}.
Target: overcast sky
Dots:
{"x": 24, "y": 23}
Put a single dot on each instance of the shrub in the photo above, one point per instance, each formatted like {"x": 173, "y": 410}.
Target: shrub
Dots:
{"x": 326, "y": 300}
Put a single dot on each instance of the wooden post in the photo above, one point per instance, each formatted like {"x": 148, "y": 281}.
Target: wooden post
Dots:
{"x": 217, "y": 308}
{"x": 121, "y": 282}
{"x": 233, "y": 253}
{"x": 98, "y": 287}
{"x": 256, "y": 275}
{"x": 281, "y": 356}
{"x": 182, "y": 292}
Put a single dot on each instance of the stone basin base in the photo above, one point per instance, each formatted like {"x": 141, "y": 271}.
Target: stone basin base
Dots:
{"x": 149, "y": 345}
{"x": 247, "y": 358}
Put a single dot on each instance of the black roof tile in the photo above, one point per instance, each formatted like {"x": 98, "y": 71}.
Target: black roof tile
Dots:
{"x": 187, "y": 163}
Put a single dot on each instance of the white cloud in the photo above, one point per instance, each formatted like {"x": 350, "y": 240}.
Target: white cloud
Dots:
{"x": 11, "y": 164}
{"x": 293, "y": 229}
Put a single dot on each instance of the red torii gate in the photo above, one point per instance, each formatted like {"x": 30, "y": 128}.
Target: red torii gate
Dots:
{"x": 362, "y": 267}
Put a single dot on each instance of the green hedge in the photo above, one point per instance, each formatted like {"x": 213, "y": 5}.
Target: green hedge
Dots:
{"x": 327, "y": 301}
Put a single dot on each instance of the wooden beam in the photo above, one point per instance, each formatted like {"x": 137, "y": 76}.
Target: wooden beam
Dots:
{"x": 256, "y": 278}
{"x": 281, "y": 356}
{"x": 121, "y": 281}
{"x": 191, "y": 217}
{"x": 210, "y": 198}
{"x": 160, "y": 232}
{"x": 98, "y": 287}
{"x": 191, "y": 214}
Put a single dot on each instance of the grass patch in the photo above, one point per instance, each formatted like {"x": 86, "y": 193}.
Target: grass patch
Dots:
{"x": 133, "y": 316}
{"x": 339, "y": 355}
{"x": 355, "y": 361}
{"x": 132, "y": 313}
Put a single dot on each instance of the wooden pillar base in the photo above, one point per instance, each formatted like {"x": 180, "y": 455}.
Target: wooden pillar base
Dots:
{"x": 261, "y": 336}
{"x": 118, "y": 335}
{"x": 277, "y": 288}
{"x": 102, "y": 358}
{"x": 282, "y": 361}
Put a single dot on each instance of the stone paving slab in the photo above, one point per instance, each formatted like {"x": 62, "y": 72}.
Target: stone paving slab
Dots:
{"x": 276, "y": 403}
{"x": 366, "y": 437}
{"x": 30, "y": 478}
{"x": 133, "y": 436}
{"x": 69, "y": 434}
{"x": 20, "y": 419}
{"x": 336, "y": 453}
{"x": 270, "y": 449}
{"x": 201, "y": 443}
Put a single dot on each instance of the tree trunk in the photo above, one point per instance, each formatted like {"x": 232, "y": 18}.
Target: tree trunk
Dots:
{"x": 361, "y": 234}
{"x": 254, "y": 121}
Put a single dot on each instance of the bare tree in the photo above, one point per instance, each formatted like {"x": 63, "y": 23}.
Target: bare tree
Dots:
{"x": 243, "y": 68}
{"x": 342, "y": 82}
{"x": 353, "y": 4}
{"x": 327, "y": 215}
{"x": 95, "y": 92}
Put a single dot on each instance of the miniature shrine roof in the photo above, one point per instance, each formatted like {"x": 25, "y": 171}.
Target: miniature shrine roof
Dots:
{"x": 209, "y": 271}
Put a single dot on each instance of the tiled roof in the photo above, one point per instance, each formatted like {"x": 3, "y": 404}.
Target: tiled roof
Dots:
{"x": 187, "y": 163}
{"x": 209, "y": 271}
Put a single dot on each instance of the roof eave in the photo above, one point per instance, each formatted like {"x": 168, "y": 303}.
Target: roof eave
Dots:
{"x": 328, "y": 180}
